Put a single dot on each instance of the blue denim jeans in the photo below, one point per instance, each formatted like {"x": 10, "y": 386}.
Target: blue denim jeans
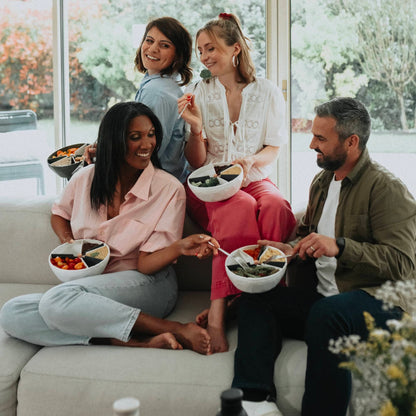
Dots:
{"x": 104, "y": 306}
{"x": 265, "y": 319}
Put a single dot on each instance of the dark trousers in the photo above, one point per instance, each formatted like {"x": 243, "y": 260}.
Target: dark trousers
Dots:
{"x": 265, "y": 319}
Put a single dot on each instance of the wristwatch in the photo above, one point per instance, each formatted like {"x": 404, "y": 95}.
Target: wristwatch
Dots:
{"x": 341, "y": 245}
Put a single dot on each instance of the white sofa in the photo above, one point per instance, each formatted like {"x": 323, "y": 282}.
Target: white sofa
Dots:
{"x": 85, "y": 380}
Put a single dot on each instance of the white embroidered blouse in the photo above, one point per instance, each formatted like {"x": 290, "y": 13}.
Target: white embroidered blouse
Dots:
{"x": 261, "y": 122}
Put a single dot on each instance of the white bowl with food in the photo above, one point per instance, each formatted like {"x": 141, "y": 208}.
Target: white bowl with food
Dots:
{"x": 81, "y": 258}
{"x": 216, "y": 182}
{"x": 269, "y": 271}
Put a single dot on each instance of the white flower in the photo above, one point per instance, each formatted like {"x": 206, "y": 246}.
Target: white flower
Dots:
{"x": 384, "y": 365}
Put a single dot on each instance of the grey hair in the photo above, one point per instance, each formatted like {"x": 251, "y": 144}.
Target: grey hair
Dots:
{"x": 351, "y": 117}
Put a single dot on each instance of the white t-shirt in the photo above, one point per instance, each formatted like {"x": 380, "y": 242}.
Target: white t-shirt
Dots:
{"x": 326, "y": 266}
{"x": 261, "y": 122}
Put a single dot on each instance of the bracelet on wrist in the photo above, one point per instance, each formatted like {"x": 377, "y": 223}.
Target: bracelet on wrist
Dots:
{"x": 199, "y": 136}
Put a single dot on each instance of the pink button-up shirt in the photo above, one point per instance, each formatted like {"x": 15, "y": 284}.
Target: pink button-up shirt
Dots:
{"x": 150, "y": 218}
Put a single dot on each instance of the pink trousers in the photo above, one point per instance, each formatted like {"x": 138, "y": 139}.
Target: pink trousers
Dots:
{"x": 256, "y": 212}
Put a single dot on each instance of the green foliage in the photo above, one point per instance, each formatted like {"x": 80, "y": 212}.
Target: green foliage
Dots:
{"x": 101, "y": 48}
{"x": 109, "y": 61}
{"x": 354, "y": 46}
{"x": 25, "y": 60}
{"x": 320, "y": 54}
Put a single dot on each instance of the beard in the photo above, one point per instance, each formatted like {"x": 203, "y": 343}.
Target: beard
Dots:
{"x": 331, "y": 163}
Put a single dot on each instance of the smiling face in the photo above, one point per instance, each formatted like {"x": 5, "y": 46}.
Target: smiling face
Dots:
{"x": 157, "y": 51}
{"x": 215, "y": 54}
{"x": 331, "y": 152}
{"x": 141, "y": 142}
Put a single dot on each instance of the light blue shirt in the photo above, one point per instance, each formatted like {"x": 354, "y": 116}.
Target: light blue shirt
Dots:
{"x": 160, "y": 94}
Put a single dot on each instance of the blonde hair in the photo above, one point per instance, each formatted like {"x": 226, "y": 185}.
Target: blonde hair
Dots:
{"x": 228, "y": 28}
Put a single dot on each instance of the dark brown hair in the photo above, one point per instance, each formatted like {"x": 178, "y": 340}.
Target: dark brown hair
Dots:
{"x": 351, "y": 117}
{"x": 180, "y": 37}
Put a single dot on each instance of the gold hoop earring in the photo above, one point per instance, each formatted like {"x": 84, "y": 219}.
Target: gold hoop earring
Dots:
{"x": 235, "y": 61}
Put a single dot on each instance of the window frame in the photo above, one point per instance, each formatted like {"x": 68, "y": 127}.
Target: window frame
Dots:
{"x": 278, "y": 71}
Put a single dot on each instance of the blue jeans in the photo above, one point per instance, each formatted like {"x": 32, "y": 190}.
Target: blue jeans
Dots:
{"x": 104, "y": 306}
{"x": 265, "y": 319}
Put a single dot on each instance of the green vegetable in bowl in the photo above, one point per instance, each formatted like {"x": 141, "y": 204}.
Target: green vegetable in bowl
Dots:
{"x": 257, "y": 270}
{"x": 206, "y": 183}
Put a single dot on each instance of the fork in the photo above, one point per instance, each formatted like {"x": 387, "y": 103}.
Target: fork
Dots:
{"x": 280, "y": 256}
{"x": 237, "y": 258}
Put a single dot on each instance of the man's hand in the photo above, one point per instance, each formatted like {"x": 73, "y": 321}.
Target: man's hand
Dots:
{"x": 316, "y": 245}
{"x": 286, "y": 248}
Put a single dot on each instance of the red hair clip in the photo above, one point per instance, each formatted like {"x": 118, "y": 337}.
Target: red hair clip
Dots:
{"x": 225, "y": 16}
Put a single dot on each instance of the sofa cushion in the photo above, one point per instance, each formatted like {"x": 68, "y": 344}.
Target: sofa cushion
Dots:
{"x": 11, "y": 290}
{"x": 23, "y": 145}
{"x": 289, "y": 376}
{"x": 14, "y": 355}
{"x": 181, "y": 381}
{"x": 85, "y": 380}
{"x": 25, "y": 256}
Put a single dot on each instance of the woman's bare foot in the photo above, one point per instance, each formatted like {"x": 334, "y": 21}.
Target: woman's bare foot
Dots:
{"x": 165, "y": 341}
{"x": 219, "y": 341}
{"x": 195, "y": 338}
{"x": 216, "y": 325}
{"x": 231, "y": 312}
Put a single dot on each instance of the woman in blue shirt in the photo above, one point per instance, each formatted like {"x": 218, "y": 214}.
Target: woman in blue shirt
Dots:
{"x": 164, "y": 57}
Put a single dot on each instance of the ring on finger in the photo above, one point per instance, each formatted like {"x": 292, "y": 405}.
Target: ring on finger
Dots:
{"x": 312, "y": 248}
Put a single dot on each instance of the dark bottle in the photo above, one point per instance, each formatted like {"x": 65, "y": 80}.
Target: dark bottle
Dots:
{"x": 231, "y": 403}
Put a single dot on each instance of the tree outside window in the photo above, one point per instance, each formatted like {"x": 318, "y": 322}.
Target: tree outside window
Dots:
{"x": 364, "y": 49}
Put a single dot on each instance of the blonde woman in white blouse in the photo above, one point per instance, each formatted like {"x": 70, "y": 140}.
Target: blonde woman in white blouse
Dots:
{"x": 238, "y": 118}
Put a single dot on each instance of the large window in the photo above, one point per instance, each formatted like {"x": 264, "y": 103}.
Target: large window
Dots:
{"x": 26, "y": 83}
{"x": 364, "y": 49}
{"x": 95, "y": 43}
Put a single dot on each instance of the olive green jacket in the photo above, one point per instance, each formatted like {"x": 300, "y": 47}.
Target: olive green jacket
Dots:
{"x": 376, "y": 215}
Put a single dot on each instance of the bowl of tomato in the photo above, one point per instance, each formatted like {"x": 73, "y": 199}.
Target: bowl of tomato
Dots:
{"x": 65, "y": 161}
{"x": 81, "y": 258}
{"x": 265, "y": 266}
